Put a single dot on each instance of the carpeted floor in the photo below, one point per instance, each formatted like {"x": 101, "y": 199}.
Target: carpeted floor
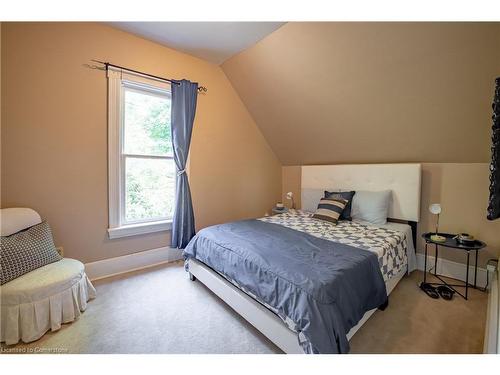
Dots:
{"x": 160, "y": 311}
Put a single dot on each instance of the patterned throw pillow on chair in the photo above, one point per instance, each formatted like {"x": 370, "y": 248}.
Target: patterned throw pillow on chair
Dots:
{"x": 26, "y": 251}
{"x": 330, "y": 209}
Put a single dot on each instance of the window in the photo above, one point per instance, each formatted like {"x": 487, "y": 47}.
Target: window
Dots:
{"x": 141, "y": 166}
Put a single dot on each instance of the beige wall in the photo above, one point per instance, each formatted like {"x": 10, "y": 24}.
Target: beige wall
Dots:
{"x": 54, "y": 151}
{"x": 462, "y": 190}
{"x": 291, "y": 177}
{"x": 342, "y": 92}
{"x": 54, "y": 155}
{"x": 331, "y": 93}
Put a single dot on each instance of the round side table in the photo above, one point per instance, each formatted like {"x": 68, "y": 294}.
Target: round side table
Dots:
{"x": 452, "y": 243}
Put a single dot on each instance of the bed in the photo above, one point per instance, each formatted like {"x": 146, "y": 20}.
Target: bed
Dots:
{"x": 305, "y": 284}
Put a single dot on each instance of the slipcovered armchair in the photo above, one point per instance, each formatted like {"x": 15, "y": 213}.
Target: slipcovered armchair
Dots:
{"x": 39, "y": 289}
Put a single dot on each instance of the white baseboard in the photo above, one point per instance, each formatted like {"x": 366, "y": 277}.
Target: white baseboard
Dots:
{"x": 452, "y": 269}
{"x": 132, "y": 262}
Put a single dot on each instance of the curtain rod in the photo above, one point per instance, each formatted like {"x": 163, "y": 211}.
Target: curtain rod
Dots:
{"x": 107, "y": 65}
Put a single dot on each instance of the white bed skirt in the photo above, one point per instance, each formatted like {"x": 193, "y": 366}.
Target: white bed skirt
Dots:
{"x": 42, "y": 300}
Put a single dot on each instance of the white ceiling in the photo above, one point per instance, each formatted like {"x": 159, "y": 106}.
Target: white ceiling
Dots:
{"x": 212, "y": 41}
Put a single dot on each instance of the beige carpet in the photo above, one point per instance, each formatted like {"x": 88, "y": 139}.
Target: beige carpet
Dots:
{"x": 160, "y": 311}
{"x": 416, "y": 323}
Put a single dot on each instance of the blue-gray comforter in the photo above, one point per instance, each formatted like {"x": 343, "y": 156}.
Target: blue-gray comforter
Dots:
{"x": 323, "y": 286}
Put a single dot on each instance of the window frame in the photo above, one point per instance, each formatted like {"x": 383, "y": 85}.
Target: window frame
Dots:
{"x": 118, "y": 226}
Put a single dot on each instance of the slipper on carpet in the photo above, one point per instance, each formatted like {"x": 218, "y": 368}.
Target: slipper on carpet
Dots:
{"x": 445, "y": 292}
{"x": 429, "y": 290}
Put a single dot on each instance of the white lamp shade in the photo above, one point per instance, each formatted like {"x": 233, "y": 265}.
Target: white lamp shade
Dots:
{"x": 435, "y": 208}
{"x": 289, "y": 195}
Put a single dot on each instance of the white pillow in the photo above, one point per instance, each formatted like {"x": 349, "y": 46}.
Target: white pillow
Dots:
{"x": 310, "y": 199}
{"x": 13, "y": 220}
{"x": 371, "y": 206}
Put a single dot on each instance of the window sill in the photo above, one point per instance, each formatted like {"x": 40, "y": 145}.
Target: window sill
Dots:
{"x": 138, "y": 229}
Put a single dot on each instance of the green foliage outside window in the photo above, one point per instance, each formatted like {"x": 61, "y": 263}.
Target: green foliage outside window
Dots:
{"x": 149, "y": 181}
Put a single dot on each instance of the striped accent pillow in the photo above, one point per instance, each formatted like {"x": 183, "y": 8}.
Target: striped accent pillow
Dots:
{"x": 330, "y": 209}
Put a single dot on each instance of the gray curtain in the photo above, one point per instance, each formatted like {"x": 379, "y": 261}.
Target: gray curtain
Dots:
{"x": 184, "y": 97}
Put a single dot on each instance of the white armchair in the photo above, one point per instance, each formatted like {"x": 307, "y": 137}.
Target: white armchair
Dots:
{"x": 42, "y": 299}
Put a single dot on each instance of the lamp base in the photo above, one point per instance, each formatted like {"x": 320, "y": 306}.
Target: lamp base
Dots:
{"x": 438, "y": 238}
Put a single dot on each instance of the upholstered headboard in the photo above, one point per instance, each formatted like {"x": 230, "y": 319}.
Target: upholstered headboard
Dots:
{"x": 402, "y": 179}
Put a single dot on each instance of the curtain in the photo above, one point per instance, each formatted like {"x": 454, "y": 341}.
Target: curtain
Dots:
{"x": 494, "y": 203}
{"x": 184, "y": 96}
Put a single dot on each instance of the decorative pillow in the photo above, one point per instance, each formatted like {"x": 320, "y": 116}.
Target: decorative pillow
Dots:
{"x": 347, "y": 195}
{"x": 371, "y": 206}
{"x": 26, "y": 251}
{"x": 330, "y": 209}
{"x": 17, "y": 219}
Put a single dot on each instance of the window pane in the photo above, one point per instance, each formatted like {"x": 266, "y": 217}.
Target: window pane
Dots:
{"x": 147, "y": 124}
{"x": 149, "y": 188}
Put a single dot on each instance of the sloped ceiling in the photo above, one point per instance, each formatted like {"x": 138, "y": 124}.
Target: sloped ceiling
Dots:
{"x": 372, "y": 92}
{"x": 211, "y": 41}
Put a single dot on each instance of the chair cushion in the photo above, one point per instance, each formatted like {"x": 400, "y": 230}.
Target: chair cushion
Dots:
{"x": 26, "y": 251}
{"x": 43, "y": 282}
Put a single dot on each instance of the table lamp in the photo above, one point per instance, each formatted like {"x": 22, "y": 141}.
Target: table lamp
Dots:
{"x": 289, "y": 196}
{"x": 435, "y": 209}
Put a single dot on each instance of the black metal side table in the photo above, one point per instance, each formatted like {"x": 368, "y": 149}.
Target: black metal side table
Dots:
{"x": 452, "y": 243}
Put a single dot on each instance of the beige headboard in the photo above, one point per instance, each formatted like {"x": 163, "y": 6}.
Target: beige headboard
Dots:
{"x": 402, "y": 179}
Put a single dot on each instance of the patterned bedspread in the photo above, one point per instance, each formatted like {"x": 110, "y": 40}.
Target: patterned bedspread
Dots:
{"x": 389, "y": 245}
